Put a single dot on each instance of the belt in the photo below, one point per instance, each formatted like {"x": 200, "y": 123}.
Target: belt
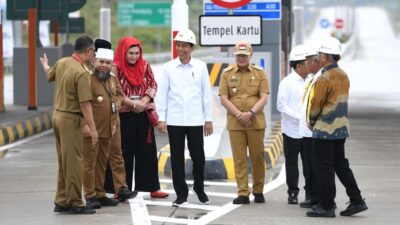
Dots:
{"x": 75, "y": 113}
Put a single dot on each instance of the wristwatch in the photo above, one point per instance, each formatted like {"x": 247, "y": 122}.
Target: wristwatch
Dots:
{"x": 253, "y": 114}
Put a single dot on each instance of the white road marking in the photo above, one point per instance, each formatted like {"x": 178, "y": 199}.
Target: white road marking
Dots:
{"x": 230, "y": 206}
{"x": 171, "y": 220}
{"x": 140, "y": 215}
{"x": 188, "y": 205}
{"x": 210, "y": 193}
{"x": 27, "y": 139}
{"x": 216, "y": 211}
{"x": 211, "y": 183}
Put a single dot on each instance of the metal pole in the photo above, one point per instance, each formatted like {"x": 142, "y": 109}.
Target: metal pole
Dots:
{"x": 1, "y": 65}
{"x": 298, "y": 11}
{"x": 32, "y": 59}
{"x": 105, "y": 20}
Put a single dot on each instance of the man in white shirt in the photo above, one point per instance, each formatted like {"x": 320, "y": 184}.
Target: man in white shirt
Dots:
{"x": 184, "y": 108}
{"x": 314, "y": 68}
{"x": 290, "y": 93}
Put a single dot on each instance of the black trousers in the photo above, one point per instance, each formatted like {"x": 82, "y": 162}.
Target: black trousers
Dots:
{"x": 176, "y": 135}
{"x": 292, "y": 147}
{"x": 330, "y": 160}
{"x": 137, "y": 152}
{"x": 311, "y": 175}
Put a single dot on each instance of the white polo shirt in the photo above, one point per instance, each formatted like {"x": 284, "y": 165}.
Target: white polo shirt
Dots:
{"x": 290, "y": 93}
{"x": 184, "y": 94}
{"x": 304, "y": 131}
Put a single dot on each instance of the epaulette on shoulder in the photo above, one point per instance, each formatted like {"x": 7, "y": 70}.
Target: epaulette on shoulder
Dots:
{"x": 258, "y": 68}
{"x": 227, "y": 69}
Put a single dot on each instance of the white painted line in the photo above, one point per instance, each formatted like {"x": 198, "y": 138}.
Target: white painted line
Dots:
{"x": 171, "y": 220}
{"x": 230, "y": 206}
{"x": 213, "y": 183}
{"x": 189, "y": 205}
{"x": 210, "y": 193}
{"x": 27, "y": 139}
{"x": 140, "y": 215}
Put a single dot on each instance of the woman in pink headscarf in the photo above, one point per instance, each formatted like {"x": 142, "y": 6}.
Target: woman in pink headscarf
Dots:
{"x": 139, "y": 117}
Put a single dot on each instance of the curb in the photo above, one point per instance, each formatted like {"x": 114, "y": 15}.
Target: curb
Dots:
{"x": 223, "y": 168}
{"x": 23, "y": 129}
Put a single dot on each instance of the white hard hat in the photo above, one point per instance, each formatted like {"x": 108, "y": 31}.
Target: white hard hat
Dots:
{"x": 312, "y": 49}
{"x": 298, "y": 53}
{"x": 104, "y": 53}
{"x": 186, "y": 35}
{"x": 330, "y": 45}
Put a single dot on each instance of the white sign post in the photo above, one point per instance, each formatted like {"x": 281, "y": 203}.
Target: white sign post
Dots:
{"x": 228, "y": 30}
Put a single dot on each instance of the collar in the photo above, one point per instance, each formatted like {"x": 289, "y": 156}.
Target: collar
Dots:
{"x": 236, "y": 68}
{"x": 75, "y": 56}
{"x": 296, "y": 76}
{"x": 179, "y": 63}
{"x": 334, "y": 65}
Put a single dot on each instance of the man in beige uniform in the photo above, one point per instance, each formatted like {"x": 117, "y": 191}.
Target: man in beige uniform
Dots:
{"x": 72, "y": 119}
{"x": 243, "y": 89}
{"x": 106, "y": 94}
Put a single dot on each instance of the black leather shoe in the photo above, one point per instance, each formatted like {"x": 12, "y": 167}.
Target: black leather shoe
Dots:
{"x": 92, "y": 203}
{"x": 259, "y": 198}
{"x": 61, "y": 209}
{"x": 292, "y": 199}
{"x": 202, "y": 196}
{"x": 320, "y": 212}
{"x": 179, "y": 202}
{"x": 104, "y": 201}
{"x": 81, "y": 210}
{"x": 125, "y": 194}
{"x": 308, "y": 204}
{"x": 316, "y": 206}
{"x": 354, "y": 208}
{"x": 240, "y": 200}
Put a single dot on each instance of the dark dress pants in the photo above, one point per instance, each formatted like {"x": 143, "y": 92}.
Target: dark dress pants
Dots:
{"x": 292, "y": 147}
{"x": 138, "y": 152}
{"x": 195, "y": 142}
{"x": 311, "y": 175}
{"x": 330, "y": 160}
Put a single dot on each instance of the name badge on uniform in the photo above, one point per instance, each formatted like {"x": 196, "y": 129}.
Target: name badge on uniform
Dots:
{"x": 113, "y": 107}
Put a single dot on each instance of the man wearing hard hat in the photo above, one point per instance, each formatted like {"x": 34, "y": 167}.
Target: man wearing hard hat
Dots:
{"x": 290, "y": 92}
{"x": 106, "y": 95}
{"x": 329, "y": 122}
{"x": 244, "y": 91}
{"x": 185, "y": 110}
{"x": 311, "y": 181}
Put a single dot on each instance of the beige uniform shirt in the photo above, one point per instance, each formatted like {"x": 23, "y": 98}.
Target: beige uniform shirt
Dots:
{"x": 105, "y": 95}
{"x": 71, "y": 84}
{"x": 243, "y": 89}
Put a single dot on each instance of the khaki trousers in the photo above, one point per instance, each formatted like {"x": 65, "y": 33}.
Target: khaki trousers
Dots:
{"x": 68, "y": 133}
{"x": 254, "y": 140}
{"x": 95, "y": 163}
{"x": 117, "y": 163}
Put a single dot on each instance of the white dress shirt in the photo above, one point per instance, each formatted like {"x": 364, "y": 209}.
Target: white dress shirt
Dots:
{"x": 290, "y": 93}
{"x": 304, "y": 131}
{"x": 184, "y": 94}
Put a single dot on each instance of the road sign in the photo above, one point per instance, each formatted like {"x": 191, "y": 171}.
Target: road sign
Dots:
{"x": 144, "y": 14}
{"x": 324, "y": 23}
{"x": 228, "y": 30}
{"x": 48, "y": 9}
{"x": 76, "y": 25}
{"x": 339, "y": 23}
{"x": 231, "y": 3}
{"x": 75, "y": 5}
{"x": 267, "y": 9}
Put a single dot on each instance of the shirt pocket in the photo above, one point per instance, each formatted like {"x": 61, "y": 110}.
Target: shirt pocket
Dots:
{"x": 233, "y": 85}
{"x": 253, "y": 86}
